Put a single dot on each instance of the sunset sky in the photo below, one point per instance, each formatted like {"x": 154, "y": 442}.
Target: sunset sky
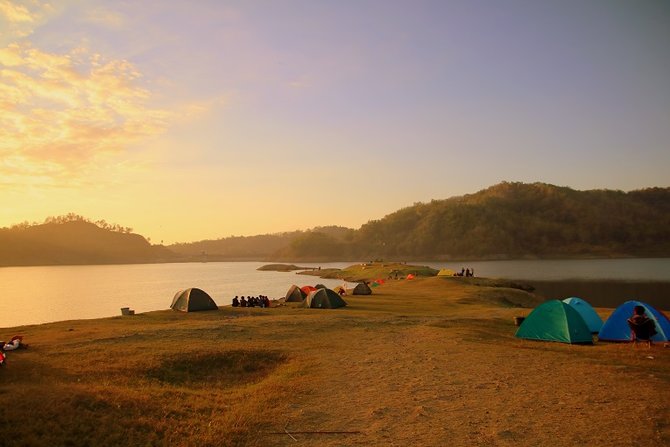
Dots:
{"x": 189, "y": 120}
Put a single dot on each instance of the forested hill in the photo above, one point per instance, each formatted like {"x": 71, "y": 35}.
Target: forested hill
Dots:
{"x": 505, "y": 221}
{"x": 509, "y": 220}
{"x": 74, "y": 240}
{"x": 259, "y": 247}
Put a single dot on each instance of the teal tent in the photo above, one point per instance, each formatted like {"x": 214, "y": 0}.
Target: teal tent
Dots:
{"x": 588, "y": 313}
{"x": 555, "y": 321}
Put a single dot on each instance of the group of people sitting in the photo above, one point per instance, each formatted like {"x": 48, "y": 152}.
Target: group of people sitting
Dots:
{"x": 465, "y": 272}
{"x": 252, "y": 301}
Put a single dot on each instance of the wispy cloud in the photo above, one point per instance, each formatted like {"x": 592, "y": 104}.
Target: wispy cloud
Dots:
{"x": 60, "y": 113}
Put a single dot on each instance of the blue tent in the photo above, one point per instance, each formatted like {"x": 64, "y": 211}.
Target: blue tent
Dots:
{"x": 616, "y": 327}
{"x": 591, "y": 318}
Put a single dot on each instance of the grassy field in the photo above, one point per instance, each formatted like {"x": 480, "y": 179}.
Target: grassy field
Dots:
{"x": 429, "y": 362}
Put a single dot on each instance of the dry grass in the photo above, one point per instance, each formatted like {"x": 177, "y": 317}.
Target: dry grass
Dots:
{"x": 424, "y": 362}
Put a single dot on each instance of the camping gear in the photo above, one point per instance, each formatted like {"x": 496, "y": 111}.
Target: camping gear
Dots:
{"x": 320, "y": 286}
{"x": 411, "y": 276}
{"x": 192, "y": 300}
{"x": 324, "y": 299}
{"x": 555, "y": 321}
{"x": 616, "y": 327}
{"x": 588, "y": 313}
{"x": 295, "y": 294}
{"x": 446, "y": 272}
{"x": 362, "y": 289}
{"x": 307, "y": 289}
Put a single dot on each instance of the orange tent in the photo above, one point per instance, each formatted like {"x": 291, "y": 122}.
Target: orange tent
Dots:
{"x": 410, "y": 276}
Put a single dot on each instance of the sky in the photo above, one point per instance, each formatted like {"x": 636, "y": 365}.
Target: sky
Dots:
{"x": 191, "y": 120}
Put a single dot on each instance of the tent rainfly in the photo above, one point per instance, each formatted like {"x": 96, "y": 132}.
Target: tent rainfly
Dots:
{"x": 192, "y": 300}
{"x": 446, "y": 272}
{"x": 555, "y": 321}
{"x": 588, "y": 313}
{"x": 324, "y": 299}
{"x": 362, "y": 289}
{"x": 295, "y": 295}
{"x": 616, "y": 327}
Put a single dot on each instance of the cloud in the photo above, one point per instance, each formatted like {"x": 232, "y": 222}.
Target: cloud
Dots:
{"x": 15, "y": 13}
{"x": 105, "y": 17}
{"x": 60, "y": 114}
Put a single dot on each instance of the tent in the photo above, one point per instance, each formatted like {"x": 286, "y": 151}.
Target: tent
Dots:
{"x": 616, "y": 327}
{"x": 308, "y": 289}
{"x": 339, "y": 289}
{"x": 588, "y": 313}
{"x": 324, "y": 299}
{"x": 320, "y": 286}
{"x": 191, "y": 300}
{"x": 446, "y": 272}
{"x": 362, "y": 289}
{"x": 411, "y": 276}
{"x": 295, "y": 295}
{"x": 555, "y": 321}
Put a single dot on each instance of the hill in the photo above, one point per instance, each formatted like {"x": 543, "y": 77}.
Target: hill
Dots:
{"x": 505, "y": 221}
{"x": 75, "y": 240}
{"x": 509, "y": 220}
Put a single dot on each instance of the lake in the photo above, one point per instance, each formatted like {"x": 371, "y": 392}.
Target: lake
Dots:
{"x": 33, "y": 295}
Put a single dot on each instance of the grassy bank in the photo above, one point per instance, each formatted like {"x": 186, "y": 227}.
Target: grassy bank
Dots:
{"x": 431, "y": 361}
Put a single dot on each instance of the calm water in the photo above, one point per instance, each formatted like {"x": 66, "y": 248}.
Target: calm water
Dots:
{"x": 33, "y": 295}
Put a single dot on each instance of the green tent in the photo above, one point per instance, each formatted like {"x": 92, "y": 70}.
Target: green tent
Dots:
{"x": 362, "y": 289}
{"x": 555, "y": 321}
{"x": 191, "y": 300}
{"x": 324, "y": 299}
{"x": 295, "y": 295}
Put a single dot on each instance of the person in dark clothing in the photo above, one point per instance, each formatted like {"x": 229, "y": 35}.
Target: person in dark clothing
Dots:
{"x": 642, "y": 328}
{"x": 243, "y": 302}
{"x": 236, "y": 302}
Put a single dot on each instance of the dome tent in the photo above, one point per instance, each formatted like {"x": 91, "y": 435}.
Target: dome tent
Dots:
{"x": 324, "y": 299}
{"x": 446, "y": 272}
{"x": 555, "y": 321}
{"x": 320, "y": 286}
{"x": 616, "y": 327}
{"x": 588, "y": 313}
{"x": 362, "y": 289}
{"x": 192, "y": 300}
{"x": 295, "y": 295}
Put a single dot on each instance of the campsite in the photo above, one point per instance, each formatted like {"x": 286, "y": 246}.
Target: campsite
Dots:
{"x": 430, "y": 361}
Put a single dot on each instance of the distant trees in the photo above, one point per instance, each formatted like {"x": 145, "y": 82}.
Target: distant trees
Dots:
{"x": 72, "y": 217}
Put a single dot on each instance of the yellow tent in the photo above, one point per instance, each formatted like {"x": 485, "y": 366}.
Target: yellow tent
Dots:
{"x": 446, "y": 272}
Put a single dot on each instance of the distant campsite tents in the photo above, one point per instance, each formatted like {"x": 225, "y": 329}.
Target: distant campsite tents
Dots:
{"x": 616, "y": 327}
{"x": 295, "y": 295}
{"x": 324, "y": 299}
{"x": 191, "y": 300}
{"x": 588, "y": 313}
{"x": 362, "y": 289}
{"x": 446, "y": 272}
{"x": 555, "y": 321}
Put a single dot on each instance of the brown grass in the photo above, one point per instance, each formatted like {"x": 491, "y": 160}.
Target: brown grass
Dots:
{"x": 426, "y": 362}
